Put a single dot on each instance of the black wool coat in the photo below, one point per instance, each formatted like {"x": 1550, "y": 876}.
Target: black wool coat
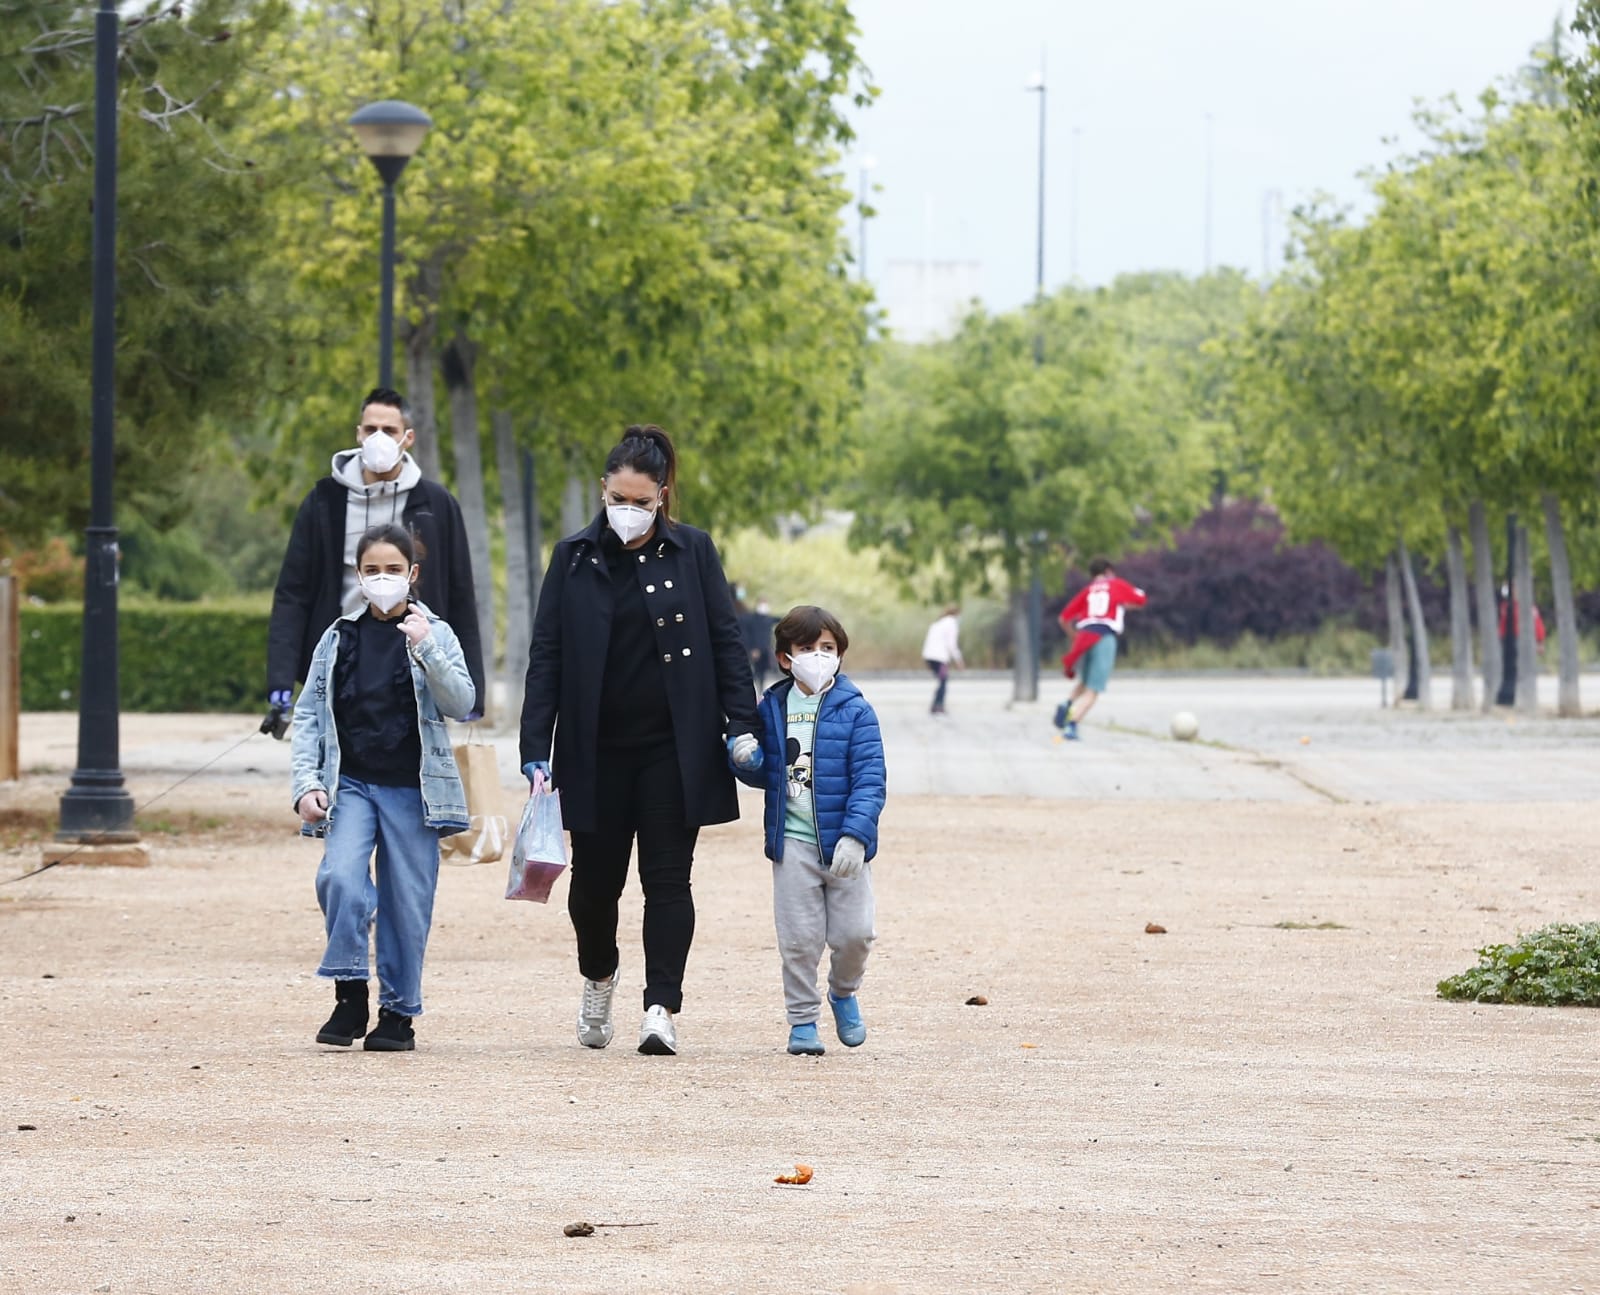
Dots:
{"x": 705, "y": 668}
{"x": 311, "y": 580}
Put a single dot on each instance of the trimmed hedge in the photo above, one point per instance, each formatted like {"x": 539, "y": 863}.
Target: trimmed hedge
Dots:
{"x": 175, "y": 658}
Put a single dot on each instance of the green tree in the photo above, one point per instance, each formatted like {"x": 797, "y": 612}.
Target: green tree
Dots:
{"x": 190, "y": 331}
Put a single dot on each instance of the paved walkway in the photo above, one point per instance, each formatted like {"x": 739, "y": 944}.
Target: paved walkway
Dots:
{"x": 1264, "y": 739}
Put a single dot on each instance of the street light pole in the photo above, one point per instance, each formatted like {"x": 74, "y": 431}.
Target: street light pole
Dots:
{"x": 390, "y": 132}
{"x": 386, "y": 292}
{"x": 1027, "y": 683}
{"x": 97, "y": 805}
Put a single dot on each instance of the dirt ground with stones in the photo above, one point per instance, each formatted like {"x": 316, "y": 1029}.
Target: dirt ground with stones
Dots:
{"x": 1266, "y": 1097}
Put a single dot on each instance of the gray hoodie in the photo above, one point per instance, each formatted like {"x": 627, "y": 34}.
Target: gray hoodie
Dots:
{"x": 368, "y": 505}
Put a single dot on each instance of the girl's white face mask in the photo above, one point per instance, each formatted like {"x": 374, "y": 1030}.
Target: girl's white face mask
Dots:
{"x": 380, "y": 452}
{"x": 630, "y": 521}
{"x": 814, "y": 669}
{"x": 385, "y": 591}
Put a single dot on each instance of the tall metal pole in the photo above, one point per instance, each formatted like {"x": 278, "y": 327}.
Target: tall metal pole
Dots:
{"x": 97, "y": 804}
{"x": 1035, "y": 609}
{"x": 1208, "y": 192}
{"x": 386, "y": 293}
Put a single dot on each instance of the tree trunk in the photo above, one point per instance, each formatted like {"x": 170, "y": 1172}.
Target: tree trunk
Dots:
{"x": 1394, "y": 607}
{"x": 1567, "y": 699}
{"x": 460, "y": 382}
{"x": 1460, "y": 623}
{"x": 1522, "y": 616}
{"x": 421, "y": 341}
{"x": 422, "y": 362}
{"x": 519, "y": 612}
{"x": 575, "y": 511}
{"x": 1024, "y": 681}
{"x": 1419, "y": 630}
{"x": 535, "y": 525}
{"x": 1483, "y": 589}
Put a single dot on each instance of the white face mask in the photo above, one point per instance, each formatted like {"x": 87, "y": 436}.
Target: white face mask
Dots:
{"x": 814, "y": 669}
{"x": 380, "y": 452}
{"x": 629, "y": 521}
{"x": 385, "y": 592}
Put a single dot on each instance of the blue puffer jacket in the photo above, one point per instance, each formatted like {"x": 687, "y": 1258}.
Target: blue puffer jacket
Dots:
{"x": 847, "y": 771}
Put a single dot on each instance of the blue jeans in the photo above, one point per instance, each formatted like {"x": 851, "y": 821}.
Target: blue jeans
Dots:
{"x": 390, "y": 818}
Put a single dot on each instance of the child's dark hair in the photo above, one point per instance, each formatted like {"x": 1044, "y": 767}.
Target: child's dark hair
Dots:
{"x": 646, "y": 448}
{"x": 393, "y": 399}
{"x": 803, "y": 626}
{"x": 387, "y": 533}
{"x": 1099, "y": 566}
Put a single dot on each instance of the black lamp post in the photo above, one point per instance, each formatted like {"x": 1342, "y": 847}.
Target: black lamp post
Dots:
{"x": 390, "y": 132}
{"x": 97, "y": 805}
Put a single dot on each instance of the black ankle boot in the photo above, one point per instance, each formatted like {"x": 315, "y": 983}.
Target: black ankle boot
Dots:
{"x": 392, "y": 1034}
{"x": 349, "y": 1020}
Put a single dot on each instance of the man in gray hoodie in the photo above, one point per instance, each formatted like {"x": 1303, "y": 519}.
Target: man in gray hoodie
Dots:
{"x": 378, "y": 481}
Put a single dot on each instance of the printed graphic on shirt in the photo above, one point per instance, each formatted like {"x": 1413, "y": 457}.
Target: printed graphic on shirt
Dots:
{"x": 801, "y": 722}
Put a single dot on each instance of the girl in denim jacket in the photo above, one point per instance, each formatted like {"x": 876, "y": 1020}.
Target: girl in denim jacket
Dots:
{"x": 372, "y": 769}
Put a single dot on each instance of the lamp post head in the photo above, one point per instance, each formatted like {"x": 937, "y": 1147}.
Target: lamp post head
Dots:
{"x": 1035, "y": 83}
{"x": 390, "y": 132}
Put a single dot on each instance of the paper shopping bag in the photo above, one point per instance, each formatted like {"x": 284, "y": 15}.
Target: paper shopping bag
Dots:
{"x": 539, "y": 854}
{"x": 485, "y": 840}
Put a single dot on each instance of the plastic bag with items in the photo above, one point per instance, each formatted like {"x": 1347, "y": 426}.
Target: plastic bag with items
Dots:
{"x": 539, "y": 854}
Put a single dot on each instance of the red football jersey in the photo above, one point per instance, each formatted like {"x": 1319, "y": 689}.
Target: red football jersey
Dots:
{"x": 1102, "y": 602}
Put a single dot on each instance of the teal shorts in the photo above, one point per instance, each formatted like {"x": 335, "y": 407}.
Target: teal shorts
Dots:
{"x": 1097, "y": 664}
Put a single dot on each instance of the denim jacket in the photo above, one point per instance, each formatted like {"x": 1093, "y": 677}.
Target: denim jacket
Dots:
{"x": 439, "y": 676}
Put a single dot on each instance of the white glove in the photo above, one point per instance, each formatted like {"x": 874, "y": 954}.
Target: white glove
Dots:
{"x": 745, "y": 751}
{"x": 849, "y": 858}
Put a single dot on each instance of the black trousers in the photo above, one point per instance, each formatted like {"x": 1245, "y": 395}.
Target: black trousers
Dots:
{"x": 639, "y": 795}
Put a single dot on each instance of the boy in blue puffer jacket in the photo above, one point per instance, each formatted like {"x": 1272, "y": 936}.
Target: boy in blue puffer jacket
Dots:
{"x": 823, "y": 775}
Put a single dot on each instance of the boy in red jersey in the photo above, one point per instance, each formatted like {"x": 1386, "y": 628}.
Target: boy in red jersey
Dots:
{"x": 1097, "y": 612}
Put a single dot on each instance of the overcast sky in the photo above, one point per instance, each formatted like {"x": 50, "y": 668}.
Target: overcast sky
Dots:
{"x": 1302, "y": 95}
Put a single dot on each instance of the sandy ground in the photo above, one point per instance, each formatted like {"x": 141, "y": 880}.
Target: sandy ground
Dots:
{"x": 1229, "y": 1106}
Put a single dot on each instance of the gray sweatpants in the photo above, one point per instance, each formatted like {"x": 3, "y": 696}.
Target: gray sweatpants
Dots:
{"x": 814, "y": 908}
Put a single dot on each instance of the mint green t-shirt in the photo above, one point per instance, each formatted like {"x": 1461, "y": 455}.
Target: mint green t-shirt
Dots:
{"x": 799, "y": 818}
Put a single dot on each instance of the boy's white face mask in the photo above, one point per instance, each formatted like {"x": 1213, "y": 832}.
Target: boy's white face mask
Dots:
{"x": 814, "y": 669}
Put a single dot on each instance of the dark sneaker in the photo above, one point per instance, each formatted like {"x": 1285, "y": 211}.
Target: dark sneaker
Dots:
{"x": 349, "y": 1020}
{"x": 1059, "y": 719}
{"x": 393, "y": 1033}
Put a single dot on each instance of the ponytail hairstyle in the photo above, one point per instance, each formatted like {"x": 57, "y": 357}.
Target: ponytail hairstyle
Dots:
{"x": 646, "y": 449}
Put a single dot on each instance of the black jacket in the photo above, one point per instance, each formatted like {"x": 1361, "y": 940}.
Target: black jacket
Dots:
{"x": 311, "y": 580}
{"x": 707, "y": 671}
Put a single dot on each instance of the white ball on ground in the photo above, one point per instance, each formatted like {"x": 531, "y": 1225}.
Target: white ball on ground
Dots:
{"x": 1185, "y": 727}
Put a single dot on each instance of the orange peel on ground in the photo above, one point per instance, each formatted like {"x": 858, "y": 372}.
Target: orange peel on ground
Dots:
{"x": 800, "y": 1176}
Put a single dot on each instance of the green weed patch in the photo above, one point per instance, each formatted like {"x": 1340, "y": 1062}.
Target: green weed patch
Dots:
{"x": 1557, "y": 965}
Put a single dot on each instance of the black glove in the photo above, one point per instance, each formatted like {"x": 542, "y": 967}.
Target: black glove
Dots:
{"x": 276, "y": 722}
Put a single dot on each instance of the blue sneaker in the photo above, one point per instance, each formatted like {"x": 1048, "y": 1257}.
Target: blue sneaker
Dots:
{"x": 1059, "y": 719}
{"x": 1071, "y": 730}
{"x": 803, "y": 1041}
{"x": 847, "y": 1017}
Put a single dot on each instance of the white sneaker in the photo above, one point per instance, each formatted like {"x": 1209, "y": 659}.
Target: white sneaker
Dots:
{"x": 657, "y": 1038}
{"x": 594, "y": 1011}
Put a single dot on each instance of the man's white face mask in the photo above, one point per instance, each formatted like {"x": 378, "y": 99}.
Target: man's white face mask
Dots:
{"x": 380, "y": 452}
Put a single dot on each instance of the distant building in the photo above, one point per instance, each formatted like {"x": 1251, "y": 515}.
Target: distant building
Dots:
{"x": 925, "y": 300}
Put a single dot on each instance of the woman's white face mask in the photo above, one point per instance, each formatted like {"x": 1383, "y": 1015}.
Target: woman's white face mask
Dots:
{"x": 630, "y": 521}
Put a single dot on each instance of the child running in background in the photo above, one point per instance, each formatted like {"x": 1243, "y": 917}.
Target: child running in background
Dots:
{"x": 372, "y": 769}
{"x": 823, "y": 774}
{"x": 1097, "y": 611}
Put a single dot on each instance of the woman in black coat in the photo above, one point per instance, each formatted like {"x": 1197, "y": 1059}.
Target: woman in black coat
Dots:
{"x": 638, "y": 673}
